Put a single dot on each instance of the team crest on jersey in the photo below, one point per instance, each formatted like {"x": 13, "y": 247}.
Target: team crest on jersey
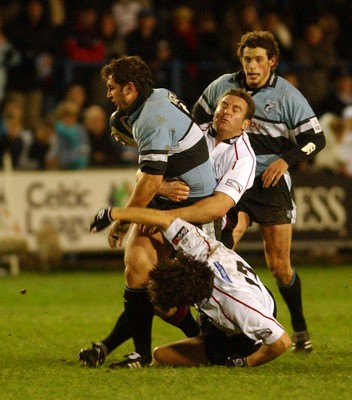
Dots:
{"x": 269, "y": 106}
{"x": 234, "y": 184}
{"x": 179, "y": 235}
{"x": 308, "y": 148}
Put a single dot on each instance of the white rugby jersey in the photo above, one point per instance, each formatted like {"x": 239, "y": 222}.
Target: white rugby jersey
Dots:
{"x": 239, "y": 301}
{"x": 233, "y": 163}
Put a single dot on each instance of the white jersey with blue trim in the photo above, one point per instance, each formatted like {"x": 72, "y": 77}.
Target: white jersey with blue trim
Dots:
{"x": 171, "y": 144}
{"x": 239, "y": 301}
{"x": 284, "y": 124}
{"x": 233, "y": 162}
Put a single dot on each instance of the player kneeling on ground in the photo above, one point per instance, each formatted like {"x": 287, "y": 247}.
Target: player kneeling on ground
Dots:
{"x": 242, "y": 329}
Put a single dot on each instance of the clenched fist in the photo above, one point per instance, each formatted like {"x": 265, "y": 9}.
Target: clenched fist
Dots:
{"x": 102, "y": 220}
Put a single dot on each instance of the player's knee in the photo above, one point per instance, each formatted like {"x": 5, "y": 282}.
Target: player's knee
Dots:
{"x": 136, "y": 275}
{"x": 158, "y": 355}
{"x": 282, "y": 274}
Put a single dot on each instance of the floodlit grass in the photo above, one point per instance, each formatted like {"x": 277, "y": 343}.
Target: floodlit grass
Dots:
{"x": 43, "y": 330}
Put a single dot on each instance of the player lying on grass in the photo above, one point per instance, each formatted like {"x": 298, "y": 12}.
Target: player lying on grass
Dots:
{"x": 242, "y": 329}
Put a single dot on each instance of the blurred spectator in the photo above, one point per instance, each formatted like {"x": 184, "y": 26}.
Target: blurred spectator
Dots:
{"x": 85, "y": 50}
{"x": 329, "y": 159}
{"x": 182, "y": 35}
{"x": 161, "y": 67}
{"x": 42, "y": 144}
{"x": 208, "y": 38}
{"x": 15, "y": 139}
{"x": 340, "y": 95}
{"x": 57, "y": 12}
{"x": 71, "y": 149}
{"x": 183, "y": 40}
{"x": 77, "y": 93}
{"x": 33, "y": 35}
{"x": 125, "y": 13}
{"x": 103, "y": 147}
{"x": 274, "y": 23}
{"x": 315, "y": 57}
{"x": 115, "y": 45}
{"x": 9, "y": 57}
{"x": 345, "y": 147}
{"x": 143, "y": 40}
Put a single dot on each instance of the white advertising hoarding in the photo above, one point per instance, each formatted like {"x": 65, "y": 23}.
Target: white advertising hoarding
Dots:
{"x": 66, "y": 199}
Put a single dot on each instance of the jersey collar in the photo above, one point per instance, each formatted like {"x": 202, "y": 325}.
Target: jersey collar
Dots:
{"x": 142, "y": 97}
{"x": 233, "y": 140}
{"x": 240, "y": 79}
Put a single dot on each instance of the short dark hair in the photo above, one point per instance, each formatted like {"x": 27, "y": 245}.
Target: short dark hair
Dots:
{"x": 243, "y": 94}
{"x": 129, "y": 69}
{"x": 179, "y": 282}
{"x": 263, "y": 39}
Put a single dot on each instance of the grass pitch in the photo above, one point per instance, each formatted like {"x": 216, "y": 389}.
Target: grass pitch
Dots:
{"x": 46, "y": 319}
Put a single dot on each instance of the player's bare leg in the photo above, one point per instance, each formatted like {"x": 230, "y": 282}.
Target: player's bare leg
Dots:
{"x": 277, "y": 248}
{"x": 188, "y": 352}
{"x": 243, "y": 223}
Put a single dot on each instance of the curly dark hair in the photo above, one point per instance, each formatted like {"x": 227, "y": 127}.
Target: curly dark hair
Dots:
{"x": 263, "y": 39}
{"x": 129, "y": 69}
{"x": 180, "y": 281}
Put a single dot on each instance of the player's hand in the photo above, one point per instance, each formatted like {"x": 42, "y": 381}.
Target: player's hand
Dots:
{"x": 102, "y": 220}
{"x": 117, "y": 233}
{"x": 274, "y": 172}
{"x": 236, "y": 361}
{"x": 148, "y": 229}
{"x": 176, "y": 191}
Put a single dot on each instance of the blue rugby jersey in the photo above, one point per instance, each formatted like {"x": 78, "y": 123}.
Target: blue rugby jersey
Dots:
{"x": 284, "y": 125}
{"x": 170, "y": 143}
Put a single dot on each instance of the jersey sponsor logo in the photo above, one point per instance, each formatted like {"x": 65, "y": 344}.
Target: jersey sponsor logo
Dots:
{"x": 308, "y": 148}
{"x": 222, "y": 271}
{"x": 269, "y": 106}
{"x": 263, "y": 333}
{"x": 315, "y": 123}
{"x": 179, "y": 235}
{"x": 234, "y": 184}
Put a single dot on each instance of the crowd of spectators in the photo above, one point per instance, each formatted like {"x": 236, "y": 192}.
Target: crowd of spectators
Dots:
{"x": 54, "y": 110}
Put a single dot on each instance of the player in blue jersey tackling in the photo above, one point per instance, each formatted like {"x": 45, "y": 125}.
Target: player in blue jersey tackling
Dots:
{"x": 284, "y": 132}
{"x": 170, "y": 146}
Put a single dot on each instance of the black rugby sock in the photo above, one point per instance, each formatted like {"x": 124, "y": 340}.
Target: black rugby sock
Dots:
{"x": 292, "y": 295}
{"x": 139, "y": 313}
{"x": 119, "y": 334}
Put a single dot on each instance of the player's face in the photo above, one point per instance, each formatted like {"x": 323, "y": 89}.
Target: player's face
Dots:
{"x": 256, "y": 66}
{"x": 230, "y": 117}
{"x": 120, "y": 95}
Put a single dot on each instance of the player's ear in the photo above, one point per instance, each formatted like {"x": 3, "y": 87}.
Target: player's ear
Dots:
{"x": 129, "y": 88}
{"x": 245, "y": 124}
{"x": 272, "y": 61}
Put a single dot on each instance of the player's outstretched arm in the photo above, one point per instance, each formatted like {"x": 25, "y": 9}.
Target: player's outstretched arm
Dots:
{"x": 146, "y": 216}
{"x": 205, "y": 210}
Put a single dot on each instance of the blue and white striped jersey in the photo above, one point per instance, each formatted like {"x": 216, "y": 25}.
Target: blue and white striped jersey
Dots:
{"x": 284, "y": 125}
{"x": 170, "y": 143}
